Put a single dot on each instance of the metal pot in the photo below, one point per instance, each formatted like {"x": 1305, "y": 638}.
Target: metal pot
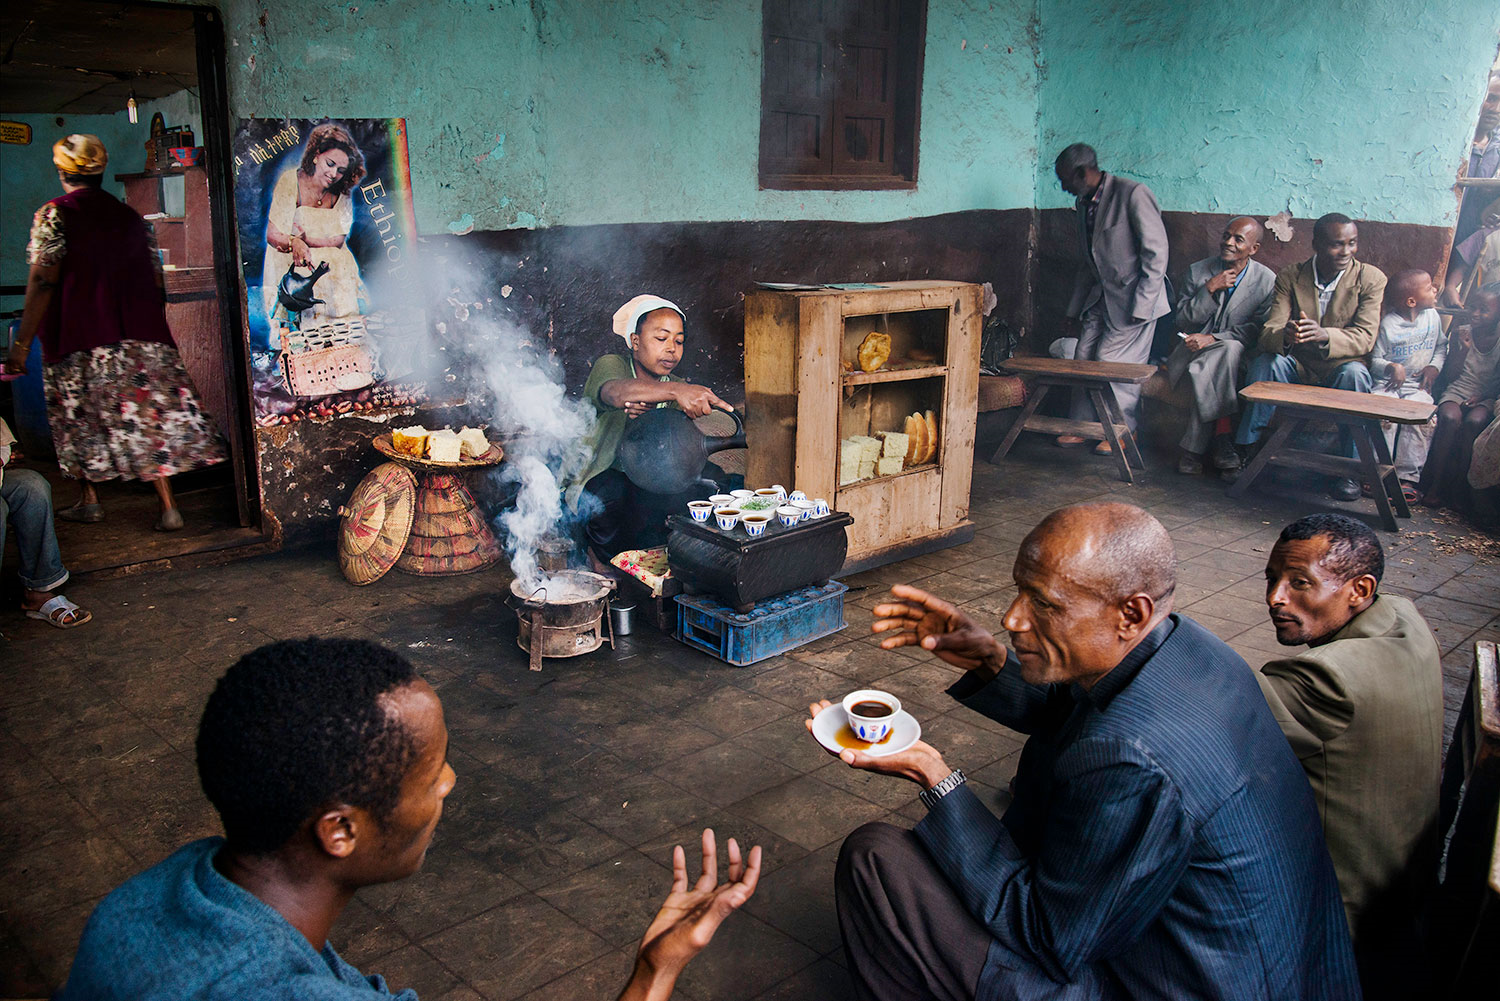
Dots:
{"x": 567, "y": 625}
{"x": 663, "y": 452}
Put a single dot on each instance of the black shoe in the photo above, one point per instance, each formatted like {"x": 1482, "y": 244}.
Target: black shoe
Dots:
{"x": 1344, "y": 490}
{"x": 1225, "y": 456}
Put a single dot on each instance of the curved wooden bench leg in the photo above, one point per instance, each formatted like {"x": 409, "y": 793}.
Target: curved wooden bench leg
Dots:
{"x": 1101, "y": 397}
{"x": 1268, "y": 448}
{"x": 1039, "y": 393}
{"x": 1361, "y": 432}
{"x": 1391, "y": 483}
{"x": 1132, "y": 452}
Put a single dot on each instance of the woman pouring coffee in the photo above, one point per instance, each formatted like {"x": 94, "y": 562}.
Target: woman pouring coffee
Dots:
{"x": 619, "y": 515}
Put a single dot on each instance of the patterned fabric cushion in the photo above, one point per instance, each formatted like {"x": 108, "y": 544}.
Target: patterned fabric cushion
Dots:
{"x": 649, "y": 566}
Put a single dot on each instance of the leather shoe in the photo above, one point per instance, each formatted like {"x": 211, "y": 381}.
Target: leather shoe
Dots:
{"x": 1344, "y": 490}
{"x": 1225, "y": 455}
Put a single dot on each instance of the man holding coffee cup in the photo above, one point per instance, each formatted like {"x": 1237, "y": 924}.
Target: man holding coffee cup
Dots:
{"x": 1161, "y": 840}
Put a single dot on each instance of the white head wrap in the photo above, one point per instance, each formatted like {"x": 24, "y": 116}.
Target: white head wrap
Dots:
{"x": 629, "y": 315}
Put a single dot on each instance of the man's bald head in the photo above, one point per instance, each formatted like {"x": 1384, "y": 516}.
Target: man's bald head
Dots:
{"x": 1253, "y": 230}
{"x": 1092, "y": 581}
{"x": 1114, "y": 550}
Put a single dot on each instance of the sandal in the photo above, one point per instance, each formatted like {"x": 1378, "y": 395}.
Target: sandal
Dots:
{"x": 88, "y": 514}
{"x": 60, "y": 612}
{"x": 1105, "y": 448}
{"x": 1070, "y": 441}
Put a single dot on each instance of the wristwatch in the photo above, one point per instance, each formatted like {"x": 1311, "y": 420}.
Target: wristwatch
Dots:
{"x": 930, "y": 797}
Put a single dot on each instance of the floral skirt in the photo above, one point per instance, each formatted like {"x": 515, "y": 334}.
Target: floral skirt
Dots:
{"x": 127, "y": 411}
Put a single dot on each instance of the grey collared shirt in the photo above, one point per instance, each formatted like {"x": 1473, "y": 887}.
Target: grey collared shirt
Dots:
{"x": 1325, "y": 291}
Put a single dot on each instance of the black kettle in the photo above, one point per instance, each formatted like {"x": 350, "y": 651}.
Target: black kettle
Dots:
{"x": 663, "y": 452}
{"x": 296, "y": 291}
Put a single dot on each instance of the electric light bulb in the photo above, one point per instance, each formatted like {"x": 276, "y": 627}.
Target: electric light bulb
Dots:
{"x": 131, "y": 110}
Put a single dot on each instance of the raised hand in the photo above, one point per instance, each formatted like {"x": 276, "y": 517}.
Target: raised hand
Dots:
{"x": 917, "y": 618}
{"x": 689, "y": 917}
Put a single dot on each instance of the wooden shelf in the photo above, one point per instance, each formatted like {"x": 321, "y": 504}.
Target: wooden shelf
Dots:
{"x": 895, "y": 375}
{"x": 877, "y": 480}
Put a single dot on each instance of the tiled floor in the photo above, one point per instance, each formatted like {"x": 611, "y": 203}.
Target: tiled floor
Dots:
{"x": 575, "y": 782}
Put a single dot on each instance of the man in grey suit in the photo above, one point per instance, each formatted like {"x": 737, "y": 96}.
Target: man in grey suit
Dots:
{"x": 1223, "y": 304}
{"x": 1121, "y": 290}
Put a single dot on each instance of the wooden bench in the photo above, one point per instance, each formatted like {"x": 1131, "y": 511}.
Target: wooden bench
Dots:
{"x": 1359, "y": 413}
{"x": 1095, "y": 378}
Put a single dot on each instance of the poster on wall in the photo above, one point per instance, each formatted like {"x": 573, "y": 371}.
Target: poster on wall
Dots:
{"x": 328, "y": 236}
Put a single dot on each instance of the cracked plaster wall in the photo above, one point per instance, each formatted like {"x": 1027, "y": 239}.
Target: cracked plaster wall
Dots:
{"x": 1357, "y": 106}
{"x": 524, "y": 115}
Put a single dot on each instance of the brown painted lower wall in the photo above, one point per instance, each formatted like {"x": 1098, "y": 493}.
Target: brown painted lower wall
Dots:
{"x": 566, "y": 282}
{"x": 1194, "y": 236}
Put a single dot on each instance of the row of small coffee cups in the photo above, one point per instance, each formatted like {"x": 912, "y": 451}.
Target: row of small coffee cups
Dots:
{"x": 791, "y": 508}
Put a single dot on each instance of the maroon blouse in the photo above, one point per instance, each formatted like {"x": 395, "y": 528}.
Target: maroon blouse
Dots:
{"x": 108, "y": 291}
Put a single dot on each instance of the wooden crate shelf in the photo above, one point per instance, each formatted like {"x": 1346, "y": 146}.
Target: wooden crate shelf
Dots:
{"x": 801, "y": 401}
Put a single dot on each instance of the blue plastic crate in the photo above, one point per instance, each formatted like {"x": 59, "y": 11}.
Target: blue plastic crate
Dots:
{"x": 773, "y": 626}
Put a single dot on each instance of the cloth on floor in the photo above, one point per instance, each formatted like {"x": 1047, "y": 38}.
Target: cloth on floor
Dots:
{"x": 649, "y": 566}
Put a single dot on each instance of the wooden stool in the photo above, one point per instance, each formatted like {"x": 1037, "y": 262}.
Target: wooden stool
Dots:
{"x": 1096, "y": 379}
{"x": 1359, "y": 413}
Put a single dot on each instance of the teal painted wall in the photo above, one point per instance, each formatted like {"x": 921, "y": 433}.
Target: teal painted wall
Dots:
{"x": 28, "y": 178}
{"x": 1357, "y": 106}
{"x": 553, "y": 114}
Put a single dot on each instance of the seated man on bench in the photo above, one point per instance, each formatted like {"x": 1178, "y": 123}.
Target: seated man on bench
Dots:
{"x": 1223, "y": 305}
{"x": 1325, "y": 315}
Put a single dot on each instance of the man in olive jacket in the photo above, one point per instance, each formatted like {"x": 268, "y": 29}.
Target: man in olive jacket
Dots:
{"x": 1325, "y": 313}
{"x": 1363, "y": 709}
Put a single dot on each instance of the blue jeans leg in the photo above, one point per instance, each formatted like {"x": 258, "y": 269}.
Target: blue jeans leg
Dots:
{"x": 26, "y": 503}
{"x": 1255, "y": 416}
{"x": 1353, "y": 376}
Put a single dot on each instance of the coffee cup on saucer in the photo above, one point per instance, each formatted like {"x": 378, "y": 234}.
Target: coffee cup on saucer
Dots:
{"x": 871, "y": 713}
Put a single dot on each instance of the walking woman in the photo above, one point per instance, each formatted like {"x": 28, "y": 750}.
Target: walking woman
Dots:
{"x": 118, "y": 399}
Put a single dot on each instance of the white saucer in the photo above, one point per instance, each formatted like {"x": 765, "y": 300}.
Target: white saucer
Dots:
{"x": 905, "y": 731}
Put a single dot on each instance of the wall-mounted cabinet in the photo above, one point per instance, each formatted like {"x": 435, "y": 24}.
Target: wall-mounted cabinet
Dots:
{"x": 817, "y": 406}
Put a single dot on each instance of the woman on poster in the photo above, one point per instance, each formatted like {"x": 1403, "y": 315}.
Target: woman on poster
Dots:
{"x": 308, "y": 224}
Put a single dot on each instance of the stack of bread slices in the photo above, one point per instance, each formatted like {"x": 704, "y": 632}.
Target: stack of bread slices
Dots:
{"x": 862, "y": 457}
{"x": 445, "y": 445}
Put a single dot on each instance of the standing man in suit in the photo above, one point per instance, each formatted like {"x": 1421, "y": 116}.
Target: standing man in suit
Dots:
{"x": 1161, "y": 841}
{"x": 1325, "y": 315}
{"x": 1362, "y": 707}
{"x": 1121, "y": 291}
{"x": 1224, "y": 301}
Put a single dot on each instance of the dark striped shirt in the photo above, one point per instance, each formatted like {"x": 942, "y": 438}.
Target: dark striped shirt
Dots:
{"x": 1162, "y": 841}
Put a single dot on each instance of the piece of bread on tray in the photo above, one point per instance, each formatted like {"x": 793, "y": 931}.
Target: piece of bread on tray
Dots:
{"x": 410, "y": 441}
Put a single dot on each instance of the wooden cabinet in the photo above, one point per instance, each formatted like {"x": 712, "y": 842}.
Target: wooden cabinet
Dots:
{"x": 175, "y": 203}
{"x": 805, "y": 392}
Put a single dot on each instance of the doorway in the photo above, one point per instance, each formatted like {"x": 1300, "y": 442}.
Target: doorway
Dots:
{"x": 148, "y": 79}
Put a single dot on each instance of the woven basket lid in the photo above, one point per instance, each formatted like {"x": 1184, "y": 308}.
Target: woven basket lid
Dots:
{"x": 376, "y": 522}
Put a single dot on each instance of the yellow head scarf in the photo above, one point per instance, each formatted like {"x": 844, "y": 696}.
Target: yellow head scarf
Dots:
{"x": 80, "y": 153}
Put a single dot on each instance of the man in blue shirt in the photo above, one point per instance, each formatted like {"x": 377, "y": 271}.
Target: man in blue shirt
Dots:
{"x": 327, "y": 762}
{"x": 1161, "y": 840}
